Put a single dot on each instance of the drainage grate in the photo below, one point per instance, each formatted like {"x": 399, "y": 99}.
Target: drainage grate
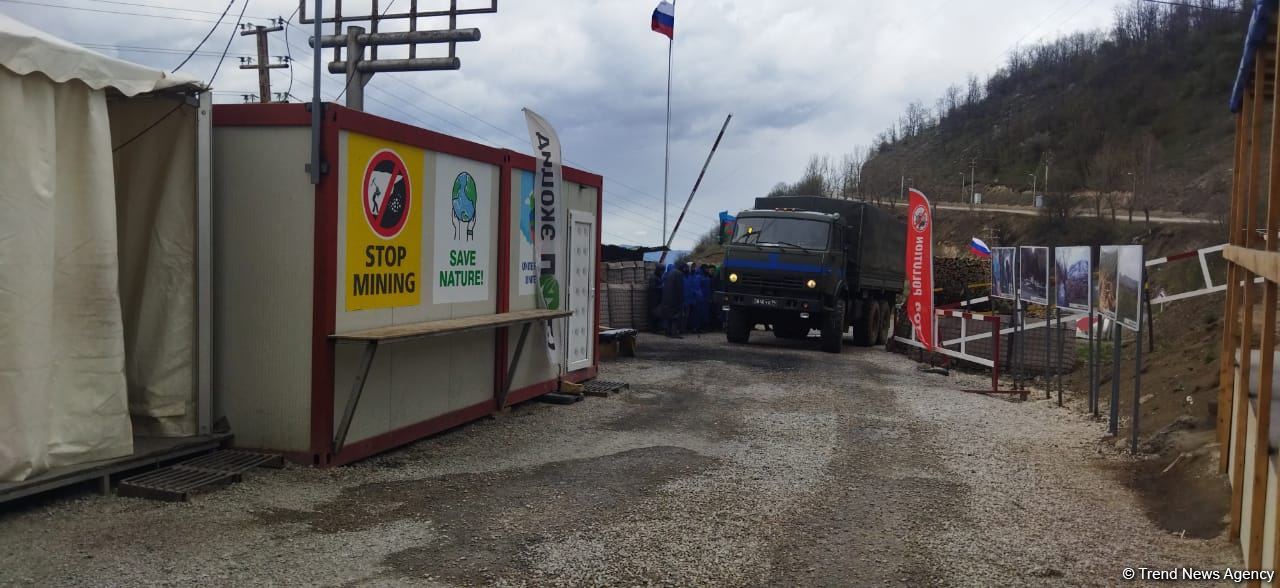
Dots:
{"x": 234, "y": 462}
{"x": 604, "y": 387}
{"x": 201, "y": 474}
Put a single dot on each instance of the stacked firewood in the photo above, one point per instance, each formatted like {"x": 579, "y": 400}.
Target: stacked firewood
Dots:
{"x": 960, "y": 278}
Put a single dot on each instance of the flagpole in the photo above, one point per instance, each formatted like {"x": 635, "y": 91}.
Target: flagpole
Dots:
{"x": 666, "y": 174}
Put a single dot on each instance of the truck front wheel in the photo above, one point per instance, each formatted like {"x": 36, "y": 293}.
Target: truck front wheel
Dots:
{"x": 833, "y": 328}
{"x": 864, "y": 328}
{"x": 738, "y": 328}
{"x": 882, "y": 329}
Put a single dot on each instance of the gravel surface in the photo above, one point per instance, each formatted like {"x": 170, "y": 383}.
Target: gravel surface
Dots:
{"x": 771, "y": 463}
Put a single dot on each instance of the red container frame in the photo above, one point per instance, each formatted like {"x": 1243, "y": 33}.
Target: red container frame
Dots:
{"x": 335, "y": 119}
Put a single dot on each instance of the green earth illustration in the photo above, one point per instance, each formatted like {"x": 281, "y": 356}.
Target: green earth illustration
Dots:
{"x": 550, "y": 289}
{"x": 464, "y": 205}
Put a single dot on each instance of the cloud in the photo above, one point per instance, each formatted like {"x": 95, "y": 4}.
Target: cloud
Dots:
{"x": 800, "y": 77}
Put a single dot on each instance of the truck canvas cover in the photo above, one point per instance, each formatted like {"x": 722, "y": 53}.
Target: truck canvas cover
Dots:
{"x": 878, "y": 238}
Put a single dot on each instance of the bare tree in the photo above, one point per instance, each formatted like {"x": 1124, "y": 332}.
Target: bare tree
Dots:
{"x": 973, "y": 95}
{"x": 952, "y": 99}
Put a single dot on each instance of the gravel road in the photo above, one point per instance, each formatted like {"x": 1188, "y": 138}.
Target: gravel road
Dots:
{"x": 765, "y": 464}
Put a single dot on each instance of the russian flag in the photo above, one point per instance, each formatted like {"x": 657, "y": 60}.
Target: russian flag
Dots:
{"x": 979, "y": 248}
{"x": 664, "y": 19}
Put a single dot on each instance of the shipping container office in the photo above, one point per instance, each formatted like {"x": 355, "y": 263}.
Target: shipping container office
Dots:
{"x": 295, "y": 264}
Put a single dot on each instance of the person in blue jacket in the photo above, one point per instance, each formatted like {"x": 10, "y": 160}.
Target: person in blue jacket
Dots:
{"x": 672, "y": 301}
{"x": 692, "y": 295}
{"x": 704, "y": 301}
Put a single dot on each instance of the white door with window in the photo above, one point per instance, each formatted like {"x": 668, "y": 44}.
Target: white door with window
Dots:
{"x": 582, "y": 288}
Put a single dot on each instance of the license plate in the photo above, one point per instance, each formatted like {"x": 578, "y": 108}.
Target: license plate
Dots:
{"x": 764, "y": 302}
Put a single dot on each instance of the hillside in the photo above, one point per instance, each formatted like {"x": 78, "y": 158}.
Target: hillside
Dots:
{"x": 1123, "y": 120}
{"x": 1147, "y": 97}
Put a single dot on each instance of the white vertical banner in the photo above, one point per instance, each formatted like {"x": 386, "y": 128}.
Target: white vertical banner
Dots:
{"x": 549, "y": 213}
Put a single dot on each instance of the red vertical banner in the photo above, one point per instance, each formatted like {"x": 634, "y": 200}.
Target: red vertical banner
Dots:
{"x": 920, "y": 267}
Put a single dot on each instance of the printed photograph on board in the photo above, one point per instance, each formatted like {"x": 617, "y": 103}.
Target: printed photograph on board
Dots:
{"x": 1108, "y": 258}
{"x": 1074, "y": 276}
{"x": 1129, "y": 293}
{"x": 1033, "y": 274}
{"x": 1003, "y": 264}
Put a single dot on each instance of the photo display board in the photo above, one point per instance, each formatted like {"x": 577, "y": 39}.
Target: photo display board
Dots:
{"x": 1033, "y": 274}
{"x": 1004, "y": 262}
{"x": 1120, "y": 284}
{"x": 1074, "y": 268}
{"x": 1129, "y": 289}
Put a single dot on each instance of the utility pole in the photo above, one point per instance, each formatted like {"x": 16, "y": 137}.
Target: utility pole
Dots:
{"x": 359, "y": 69}
{"x": 1133, "y": 195}
{"x": 973, "y": 192}
{"x": 264, "y": 60}
{"x": 1047, "y": 160}
{"x": 962, "y": 190}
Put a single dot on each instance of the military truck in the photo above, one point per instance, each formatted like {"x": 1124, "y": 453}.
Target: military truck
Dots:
{"x": 798, "y": 263}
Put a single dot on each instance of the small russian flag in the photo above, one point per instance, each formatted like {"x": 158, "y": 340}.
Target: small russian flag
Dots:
{"x": 664, "y": 19}
{"x": 979, "y": 248}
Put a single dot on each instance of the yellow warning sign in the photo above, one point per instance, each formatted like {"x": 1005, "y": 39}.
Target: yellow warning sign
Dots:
{"x": 384, "y": 223}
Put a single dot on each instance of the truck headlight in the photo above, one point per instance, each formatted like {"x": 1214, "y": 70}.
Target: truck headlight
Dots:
{"x": 733, "y": 278}
{"x": 811, "y": 284}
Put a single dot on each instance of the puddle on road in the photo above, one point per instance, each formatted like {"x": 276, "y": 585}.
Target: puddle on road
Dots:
{"x": 486, "y": 520}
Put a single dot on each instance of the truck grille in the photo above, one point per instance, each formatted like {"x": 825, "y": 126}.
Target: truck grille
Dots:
{"x": 773, "y": 285}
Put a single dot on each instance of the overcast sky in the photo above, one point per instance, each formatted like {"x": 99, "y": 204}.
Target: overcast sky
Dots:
{"x": 799, "y": 76}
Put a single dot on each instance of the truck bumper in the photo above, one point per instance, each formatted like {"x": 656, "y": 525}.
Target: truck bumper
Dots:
{"x": 773, "y": 303}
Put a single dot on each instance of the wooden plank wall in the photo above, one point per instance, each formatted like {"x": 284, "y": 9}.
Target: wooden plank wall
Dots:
{"x": 1245, "y": 452}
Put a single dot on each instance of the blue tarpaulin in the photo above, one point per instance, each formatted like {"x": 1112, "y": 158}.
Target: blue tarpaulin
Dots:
{"x": 1257, "y": 35}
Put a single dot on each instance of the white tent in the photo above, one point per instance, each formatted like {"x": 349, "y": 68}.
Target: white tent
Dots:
{"x": 102, "y": 192}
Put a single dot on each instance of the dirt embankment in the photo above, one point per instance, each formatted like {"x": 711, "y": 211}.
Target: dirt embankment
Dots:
{"x": 1177, "y": 472}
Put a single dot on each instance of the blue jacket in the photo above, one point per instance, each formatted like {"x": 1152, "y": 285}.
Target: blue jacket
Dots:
{"x": 672, "y": 291}
{"x": 692, "y": 291}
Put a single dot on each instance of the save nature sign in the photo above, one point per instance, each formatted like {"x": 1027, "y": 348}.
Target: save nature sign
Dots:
{"x": 463, "y": 213}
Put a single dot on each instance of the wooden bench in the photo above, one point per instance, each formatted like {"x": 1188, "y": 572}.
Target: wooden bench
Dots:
{"x": 371, "y": 338}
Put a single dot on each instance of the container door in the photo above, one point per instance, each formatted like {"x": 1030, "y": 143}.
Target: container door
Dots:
{"x": 582, "y": 288}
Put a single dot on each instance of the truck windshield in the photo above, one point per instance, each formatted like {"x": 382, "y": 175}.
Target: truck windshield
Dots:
{"x": 782, "y": 231}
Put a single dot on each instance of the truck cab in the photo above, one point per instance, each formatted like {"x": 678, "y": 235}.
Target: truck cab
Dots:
{"x": 796, "y": 269}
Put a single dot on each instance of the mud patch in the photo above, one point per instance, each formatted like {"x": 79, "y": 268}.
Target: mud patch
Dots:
{"x": 682, "y": 408}
{"x": 1190, "y": 497}
{"x": 485, "y": 522}
{"x": 754, "y": 357}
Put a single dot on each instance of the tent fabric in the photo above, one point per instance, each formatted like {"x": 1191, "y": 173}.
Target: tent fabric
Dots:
{"x": 63, "y": 392}
{"x": 25, "y": 50}
{"x": 155, "y": 178}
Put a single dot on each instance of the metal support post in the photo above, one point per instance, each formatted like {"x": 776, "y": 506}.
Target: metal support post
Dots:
{"x": 1113, "y": 426}
{"x": 356, "y": 79}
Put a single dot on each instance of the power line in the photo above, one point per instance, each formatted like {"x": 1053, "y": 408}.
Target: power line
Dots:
{"x": 161, "y": 7}
{"x": 206, "y": 35}
{"x": 104, "y": 11}
{"x": 520, "y": 141}
{"x": 289, "y": 49}
{"x": 230, "y": 38}
{"x": 222, "y": 57}
{"x": 158, "y": 50}
{"x": 1196, "y": 6}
